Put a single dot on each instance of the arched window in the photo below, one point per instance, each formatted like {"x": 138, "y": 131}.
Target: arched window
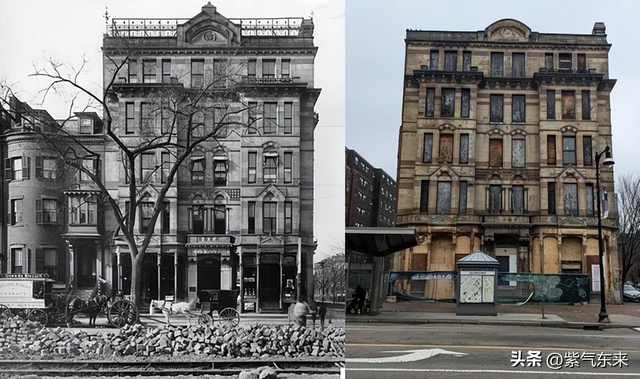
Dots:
{"x": 219, "y": 215}
{"x": 270, "y": 168}
{"x": 220, "y": 168}
{"x": 197, "y": 170}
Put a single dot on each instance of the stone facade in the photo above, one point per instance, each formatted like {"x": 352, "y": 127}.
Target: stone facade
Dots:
{"x": 499, "y": 132}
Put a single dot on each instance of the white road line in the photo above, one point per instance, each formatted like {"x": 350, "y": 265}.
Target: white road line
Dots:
{"x": 454, "y": 371}
{"x": 636, "y": 329}
{"x": 520, "y": 334}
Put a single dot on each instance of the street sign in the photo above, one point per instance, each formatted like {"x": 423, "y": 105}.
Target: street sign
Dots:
{"x": 413, "y": 356}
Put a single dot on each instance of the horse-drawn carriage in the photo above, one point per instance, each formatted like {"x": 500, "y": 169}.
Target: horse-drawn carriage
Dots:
{"x": 31, "y": 297}
{"x": 223, "y": 302}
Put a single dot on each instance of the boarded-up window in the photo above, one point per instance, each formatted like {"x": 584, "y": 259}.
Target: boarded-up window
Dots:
{"x": 431, "y": 96}
{"x": 497, "y": 64}
{"x": 448, "y": 102}
{"x": 466, "y": 61}
{"x": 463, "y": 197}
{"x": 568, "y": 105}
{"x": 428, "y": 148}
{"x": 564, "y": 62}
{"x": 551, "y": 150}
{"x": 446, "y": 148}
{"x": 443, "y": 204}
{"x": 495, "y": 199}
{"x": 551, "y": 104}
{"x": 586, "y": 150}
{"x": 582, "y": 63}
{"x": 497, "y": 105}
{"x": 586, "y": 105}
{"x": 570, "y": 198}
{"x": 450, "y": 60}
{"x": 551, "y": 197}
{"x": 517, "y": 199}
{"x": 518, "y": 108}
{"x": 548, "y": 61}
{"x": 590, "y": 197}
{"x": 568, "y": 150}
{"x": 517, "y": 65}
{"x": 495, "y": 153}
{"x": 518, "y": 153}
{"x": 466, "y": 102}
{"x": 464, "y": 148}
{"x": 418, "y": 263}
{"x": 424, "y": 195}
{"x": 433, "y": 59}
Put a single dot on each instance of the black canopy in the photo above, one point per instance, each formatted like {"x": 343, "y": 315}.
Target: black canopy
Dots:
{"x": 379, "y": 242}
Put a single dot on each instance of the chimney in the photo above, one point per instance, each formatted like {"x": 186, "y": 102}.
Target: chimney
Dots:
{"x": 599, "y": 29}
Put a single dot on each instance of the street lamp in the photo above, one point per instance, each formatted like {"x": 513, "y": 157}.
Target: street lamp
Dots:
{"x": 608, "y": 162}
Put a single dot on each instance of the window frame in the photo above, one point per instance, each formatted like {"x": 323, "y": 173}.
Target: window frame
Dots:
{"x": 522, "y": 102}
{"x": 288, "y": 217}
{"x": 269, "y": 68}
{"x": 496, "y": 100}
{"x": 288, "y": 167}
{"x": 586, "y": 104}
{"x": 567, "y": 150}
{"x": 587, "y": 150}
{"x": 514, "y": 71}
{"x": 288, "y": 117}
{"x": 429, "y": 110}
{"x": 166, "y": 71}
{"x": 252, "y": 167}
{"x": 270, "y": 218}
{"x": 427, "y": 154}
{"x": 443, "y": 99}
{"x": 439, "y": 195}
{"x": 524, "y": 153}
{"x": 496, "y": 70}
{"x": 151, "y": 75}
{"x": 551, "y": 104}
{"x": 270, "y": 170}
{"x": 130, "y": 117}
{"x": 197, "y": 73}
{"x": 270, "y": 117}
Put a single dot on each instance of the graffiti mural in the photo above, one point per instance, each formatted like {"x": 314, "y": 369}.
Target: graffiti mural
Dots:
{"x": 560, "y": 288}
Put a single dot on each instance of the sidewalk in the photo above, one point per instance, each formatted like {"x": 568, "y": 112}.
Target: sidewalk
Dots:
{"x": 556, "y": 315}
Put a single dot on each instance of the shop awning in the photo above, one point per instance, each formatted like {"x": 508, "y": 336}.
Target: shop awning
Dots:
{"x": 379, "y": 242}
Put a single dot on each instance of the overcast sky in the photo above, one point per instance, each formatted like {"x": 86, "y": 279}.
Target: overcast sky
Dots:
{"x": 375, "y": 60}
{"x": 31, "y": 31}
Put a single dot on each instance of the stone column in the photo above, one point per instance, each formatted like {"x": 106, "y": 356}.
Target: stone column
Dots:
{"x": 119, "y": 263}
{"x": 159, "y": 264}
{"x": 225, "y": 271}
{"x": 192, "y": 275}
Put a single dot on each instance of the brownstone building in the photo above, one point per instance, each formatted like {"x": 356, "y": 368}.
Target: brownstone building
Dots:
{"x": 496, "y": 152}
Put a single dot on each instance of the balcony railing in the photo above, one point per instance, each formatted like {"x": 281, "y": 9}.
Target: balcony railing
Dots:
{"x": 263, "y": 80}
{"x": 545, "y": 70}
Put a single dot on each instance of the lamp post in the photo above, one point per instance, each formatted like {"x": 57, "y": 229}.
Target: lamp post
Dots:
{"x": 608, "y": 162}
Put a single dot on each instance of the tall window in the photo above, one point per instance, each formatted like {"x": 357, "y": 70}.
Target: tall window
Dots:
{"x": 270, "y": 169}
{"x": 286, "y": 68}
{"x": 551, "y": 197}
{"x": 497, "y": 64}
{"x": 564, "y": 62}
{"x": 568, "y": 105}
{"x": 424, "y": 195}
{"x": 462, "y": 203}
{"x": 495, "y": 199}
{"x": 252, "y": 113}
{"x": 466, "y": 102}
{"x": 18, "y": 262}
{"x": 288, "y": 167}
{"x": 428, "y": 148}
{"x": 518, "y": 111}
{"x": 46, "y": 167}
{"x": 166, "y": 71}
{"x": 145, "y": 117}
{"x": 431, "y": 94}
{"x": 146, "y": 212}
{"x": 82, "y": 210}
{"x": 132, "y": 67}
{"x": 551, "y": 104}
{"x": 466, "y": 61}
{"x": 448, "y": 102}
{"x": 219, "y": 219}
{"x": 197, "y": 171}
{"x": 570, "y": 199}
{"x": 568, "y": 150}
{"x": 590, "y": 199}
{"x": 446, "y": 148}
{"x": 548, "y": 61}
{"x": 46, "y": 211}
{"x": 197, "y": 73}
{"x": 433, "y": 59}
{"x": 551, "y": 150}
{"x": 450, "y": 60}
{"x": 166, "y": 166}
{"x": 252, "y": 218}
{"x": 89, "y": 165}
{"x": 252, "y": 167}
{"x": 16, "y": 212}
{"x": 288, "y": 118}
{"x": 197, "y": 219}
{"x": 586, "y": 105}
{"x": 497, "y": 106}
{"x": 288, "y": 217}
{"x": 464, "y": 149}
{"x": 130, "y": 114}
{"x": 495, "y": 153}
{"x": 269, "y": 216}
{"x": 518, "y": 154}
{"x": 251, "y": 68}
{"x": 149, "y": 70}
{"x": 443, "y": 201}
{"x": 582, "y": 63}
{"x": 270, "y": 119}
{"x": 517, "y": 199}
{"x": 165, "y": 118}
{"x": 147, "y": 167}
{"x": 268, "y": 68}
{"x": 197, "y": 125}
{"x": 16, "y": 169}
{"x": 518, "y": 65}
{"x": 587, "y": 154}
{"x": 166, "y": 218}
{"x": 50, "y": 263}
{"x": 220, "y": 172}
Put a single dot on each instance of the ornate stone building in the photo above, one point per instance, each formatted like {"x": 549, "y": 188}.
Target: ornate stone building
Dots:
{"x": 499, "y": 132}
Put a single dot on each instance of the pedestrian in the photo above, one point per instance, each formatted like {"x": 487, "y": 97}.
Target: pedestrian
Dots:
{"x": 322, "y": 312}
{"x": 300, "y": 312}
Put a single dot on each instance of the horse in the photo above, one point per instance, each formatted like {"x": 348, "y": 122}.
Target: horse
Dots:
{"x": 96, "y": 303}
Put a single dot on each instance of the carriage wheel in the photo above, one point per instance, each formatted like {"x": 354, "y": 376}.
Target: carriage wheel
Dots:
{"x": 122, "y": 312}
{"x": 38, "y": 315}
{"x": 204, "y": 319}
{"x": 5, "y": 313}
{"x": 229, "y": 316}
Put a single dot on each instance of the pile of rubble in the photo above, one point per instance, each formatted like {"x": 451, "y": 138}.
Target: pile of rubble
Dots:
{"x": 21, "y": 337}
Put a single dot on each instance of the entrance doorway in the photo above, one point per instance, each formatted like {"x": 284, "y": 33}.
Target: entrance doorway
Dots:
{"x": 269, "y": 286}
{"x": 167, "y": 276}
{"x": 208, "y": 274}
{"x": 149, "y": 279}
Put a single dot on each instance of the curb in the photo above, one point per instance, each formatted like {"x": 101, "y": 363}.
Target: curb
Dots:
{"x": 543, "y": 324}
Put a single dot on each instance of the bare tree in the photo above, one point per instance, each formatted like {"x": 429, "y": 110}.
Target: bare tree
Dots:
{"x": 628, "y": 192}
{"x": 177, "y": 120}
{"x": 329, "y": 278}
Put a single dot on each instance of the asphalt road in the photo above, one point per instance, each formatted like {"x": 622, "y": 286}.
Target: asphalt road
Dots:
{"x": 486, "y": 351}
